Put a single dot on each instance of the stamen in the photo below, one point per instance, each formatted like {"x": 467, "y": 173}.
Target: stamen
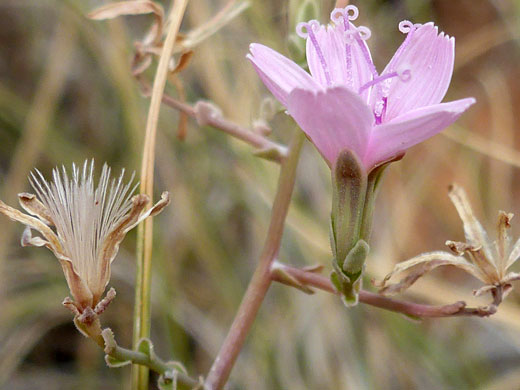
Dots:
{"x": 359, "y": 34}
{"x": 353, "y": 35}
{"x": 306, "y": 30}
{"x": 406, "y": 27}
{"x": 404, "y": 76}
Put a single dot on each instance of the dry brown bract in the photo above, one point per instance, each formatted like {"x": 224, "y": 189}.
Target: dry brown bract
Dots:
{"x": 486, "y": 260}
{"x": 83, "y": 226}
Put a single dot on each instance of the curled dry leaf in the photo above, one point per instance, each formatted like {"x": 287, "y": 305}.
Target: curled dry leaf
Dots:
{"x": 422, "y": 264}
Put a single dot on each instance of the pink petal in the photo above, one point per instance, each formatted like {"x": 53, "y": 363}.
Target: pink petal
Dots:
{"x": 279, "y": 74}
{"x": 334, "y": 120}
{"x": 332, "y": 44}
{"x": 405, "y": 131}
{"x": 429, "y": 56}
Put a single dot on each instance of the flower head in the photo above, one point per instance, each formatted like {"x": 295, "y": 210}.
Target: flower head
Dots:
{"x": 344, "y": 103}
{"x": 82, "y": 224}
{"x": 489, "y": 261}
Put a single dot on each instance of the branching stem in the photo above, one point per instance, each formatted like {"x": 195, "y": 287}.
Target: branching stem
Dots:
{"x": 261, "y": 280}
{"x": 225, "y": 125}
{"x": 312, "y": 279}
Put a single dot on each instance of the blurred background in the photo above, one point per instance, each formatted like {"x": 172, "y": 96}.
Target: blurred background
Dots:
{"x": 67, "y": 94}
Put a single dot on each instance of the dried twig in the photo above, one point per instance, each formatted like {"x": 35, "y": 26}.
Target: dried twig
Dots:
{"x": 144, "y": 243}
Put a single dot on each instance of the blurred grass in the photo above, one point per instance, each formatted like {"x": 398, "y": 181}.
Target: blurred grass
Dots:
{"x": 208, "y": 240}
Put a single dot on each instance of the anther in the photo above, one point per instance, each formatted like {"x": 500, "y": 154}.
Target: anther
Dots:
{"x": 405, "y": 27}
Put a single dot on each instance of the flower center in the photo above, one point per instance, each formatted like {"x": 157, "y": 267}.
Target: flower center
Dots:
{"x": 307, "y": 30}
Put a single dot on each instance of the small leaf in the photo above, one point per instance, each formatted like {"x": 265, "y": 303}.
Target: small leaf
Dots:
{"x": 284, "y": 277}
{"x": 112, "y": 362}
{"x": 174, "y": 365}
{"x": 349, "y": 290}
{"x": 145, "y": 346}
{"x": 109, "y": 339}
{"x": 356, "y": 258}
{"x": 271, "y": 154}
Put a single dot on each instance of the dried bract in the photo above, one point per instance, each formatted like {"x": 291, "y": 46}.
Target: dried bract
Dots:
{"x": 83, "y": 226}
{"x": 486, "y": 260}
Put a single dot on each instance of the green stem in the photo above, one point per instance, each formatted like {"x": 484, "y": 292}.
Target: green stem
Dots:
{"x": 152, "y": 362}
{"x": 261, "y": 280}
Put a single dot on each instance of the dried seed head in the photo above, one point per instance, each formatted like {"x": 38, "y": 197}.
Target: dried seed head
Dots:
{"x": 90, "y": 221}
{"x": 486, "y": 260}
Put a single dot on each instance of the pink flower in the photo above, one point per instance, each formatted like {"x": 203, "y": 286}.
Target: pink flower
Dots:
{"x": 346, "y": 104}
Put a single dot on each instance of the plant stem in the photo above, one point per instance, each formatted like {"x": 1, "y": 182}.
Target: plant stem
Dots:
{"x": 261, "y": 280}
{"x": 142, "y": 310}
{"x": 229, "y": 127}
{"x": 152, "y": 362}
{"x": 312, "y": 279}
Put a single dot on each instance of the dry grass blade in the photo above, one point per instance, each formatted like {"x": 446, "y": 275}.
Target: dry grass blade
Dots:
{"x": 111, "y": 11}
{"x": 484, "y": 146}
{"x": 123, "y": 8}
{"x": 222, "y": 18}
{"x": 142, "y": 310}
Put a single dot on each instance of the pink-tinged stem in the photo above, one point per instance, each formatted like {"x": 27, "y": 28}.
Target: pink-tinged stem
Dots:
{"x": 312, "y": 279}
{"x": 231, "y": 128}
{"x": 261, "y": 280}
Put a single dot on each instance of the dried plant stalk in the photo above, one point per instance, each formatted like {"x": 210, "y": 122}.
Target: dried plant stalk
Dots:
{"x": 142, "y": 310}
